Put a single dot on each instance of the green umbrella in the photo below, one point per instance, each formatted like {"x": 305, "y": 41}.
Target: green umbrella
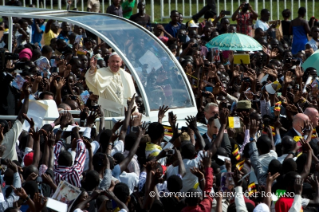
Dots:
{"x": 312, "y": 61}
{"x": 234, "y": 41}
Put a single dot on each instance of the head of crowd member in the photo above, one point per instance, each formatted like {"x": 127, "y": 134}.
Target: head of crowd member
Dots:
{"x": 88, "y": 44}
{"x": 76, "y": 65}
{"x": 188, "y": 150}
{"x": 65, "y": 27}
{"x": 289, "y": 180}
{"x": 287, "y": 144}
{"x": 192, "y": 33}
{"x": 78, "y": 30}
{"x": 211, "y": 110}
{"x": 84, "y": 61}
{"x": 224, "y": 24}
{"x": 156, "y": 132}
{"x": 259, "y": 33}
{"x": 265, "y": 15}
{"x": 315, "y": 33}
{"x": 122, "y": 192}
{"x": 72, "y": 103}
{"x": 302, "y": 12}
{"x": 46, "y": 95}
{"x": 64, "y": 106}
{"x": 275, "y": 166}
{"x": 181, "y": 18}
{"x": 101, "y": 63}
{"x": 286, "y": 14}
{"x": 82, "y": 197}
{"x": 141, "y": 7}
{"x": 264, "y": 144}
{"x": 23, "y": 24}
{"x": 313, "y": 115}
{"x": 53, "y": 43}
{"x": 231, "y": 29}
{"x": 298, "y": 122}
{"x": 25, "y": 55}
{"x": 174, "y": 17}
{"x": 245, "y": 8}
{"x": 212, "y": 128}
{"x": 36, "y": 54}
{"x": 91, "y": 180}
{"x": 47, "y": 52}
{"x": 65, "y": 159}
{"x": 274, "y": 43}
{"x": 61, "y": 45}
{"x": 55, "y": 27}
{"x": 115, "y": 62}
{"x": 116, "y": 2}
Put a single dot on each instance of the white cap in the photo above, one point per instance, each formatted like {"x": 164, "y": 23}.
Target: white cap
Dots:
{"x": 114, "y": 53}
{"x": 191, "y": 23}
{"x": 270, "y": 89}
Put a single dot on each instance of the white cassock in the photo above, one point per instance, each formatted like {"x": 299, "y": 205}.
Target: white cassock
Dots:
{"x": 114, "y": 89}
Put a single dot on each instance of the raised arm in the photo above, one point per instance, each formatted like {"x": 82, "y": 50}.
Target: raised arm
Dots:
{"x": 128, "y": 159}
{"x": 306, "y": 148}
{"x": 80, "y": 151}
{"x": 127, "y": 118}
{"x": 36, "y": 155}
{"x": 191, "y": 123}
{"x": 181, "y": 166}
{"x": 234, "y": 16}
{"x": 223, "y": 121}
{"x": 25, "y": 106}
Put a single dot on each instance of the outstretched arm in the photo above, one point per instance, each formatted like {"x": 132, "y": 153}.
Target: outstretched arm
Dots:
{"x": 127, "y": 160}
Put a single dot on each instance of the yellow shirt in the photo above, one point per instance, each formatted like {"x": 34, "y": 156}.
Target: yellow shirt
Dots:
{"x": 48, "y": 37}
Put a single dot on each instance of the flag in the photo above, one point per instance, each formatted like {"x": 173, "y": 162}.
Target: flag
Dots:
{"x": 234, "y": 122}
{"x": 314, "y": 133}
{"x": 278, "y": 106}
{"x": 252, "y": 189}
{"x": 240, "y": 165}
{"x": 235, "y": 153}
{"x": 168, "y": 130}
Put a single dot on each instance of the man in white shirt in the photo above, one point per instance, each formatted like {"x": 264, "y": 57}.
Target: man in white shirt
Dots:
{"x": 188, "y": 154}
{"x": 262, "y": 22}
{"x": 130, "y": 179}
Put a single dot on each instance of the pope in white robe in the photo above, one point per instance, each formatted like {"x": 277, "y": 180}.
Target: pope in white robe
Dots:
{"x": 113, "y": 85}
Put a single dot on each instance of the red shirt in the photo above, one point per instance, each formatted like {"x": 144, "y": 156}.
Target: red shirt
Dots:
{"x": 206, "y": 204}
{"x": 244, "y": 23}
{"x": 284, "y": 204}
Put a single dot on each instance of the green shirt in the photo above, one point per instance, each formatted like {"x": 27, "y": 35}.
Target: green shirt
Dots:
{"x": 125, "y": 6}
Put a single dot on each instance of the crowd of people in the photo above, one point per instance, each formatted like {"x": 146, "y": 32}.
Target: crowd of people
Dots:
{"x": 260, "y": 151}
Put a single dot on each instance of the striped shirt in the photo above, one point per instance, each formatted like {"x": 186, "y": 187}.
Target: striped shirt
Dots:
{"x": 70, "y": 174}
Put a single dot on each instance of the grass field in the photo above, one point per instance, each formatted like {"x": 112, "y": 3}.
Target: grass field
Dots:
{"x": 190, "y": 5}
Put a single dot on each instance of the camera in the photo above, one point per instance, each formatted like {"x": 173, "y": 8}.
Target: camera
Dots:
{"x": 205, "y": 94}
{"x": 246, "y": 79}
{"x": 5, "y": 56}
{"x": 73, "y": 97}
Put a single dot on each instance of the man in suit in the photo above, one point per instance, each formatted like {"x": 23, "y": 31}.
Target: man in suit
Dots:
{"x": 213, "y": 126}
{"x": 210, "y": 110}
{"x": 298, "y": 123}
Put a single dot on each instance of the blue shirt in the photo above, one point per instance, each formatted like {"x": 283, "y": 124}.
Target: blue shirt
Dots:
{"x": 116, "y": 171}
{"x": 37, "y": 37}
{"x": 61, "y": 36}
{"x": 172, "y": 29}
